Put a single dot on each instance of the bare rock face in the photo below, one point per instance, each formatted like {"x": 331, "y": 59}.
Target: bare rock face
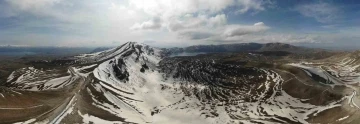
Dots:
{"x": 135, "y": 83}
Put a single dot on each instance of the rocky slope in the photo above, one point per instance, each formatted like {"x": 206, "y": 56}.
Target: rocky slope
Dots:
{"x": 135, "y": 83}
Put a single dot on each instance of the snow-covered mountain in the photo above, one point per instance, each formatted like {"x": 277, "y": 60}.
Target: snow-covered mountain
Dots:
{"x": 136, "y": 83}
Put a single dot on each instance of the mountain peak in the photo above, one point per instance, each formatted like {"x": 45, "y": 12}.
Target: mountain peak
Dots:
{"x": 127, "y": 49}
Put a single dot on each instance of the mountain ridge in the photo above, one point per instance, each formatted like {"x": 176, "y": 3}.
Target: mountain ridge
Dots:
{"x": 137, "y": 83}
{"x": 243, "y": 47}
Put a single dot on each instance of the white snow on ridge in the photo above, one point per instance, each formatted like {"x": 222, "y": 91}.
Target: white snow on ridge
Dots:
{"x": 346, "y": 70}
{"x": 33, "y": 79}
{"x": 27, "y": 122}
{"x": 56, "y": 81}
{"x": 67, "y": 110}
{"x": 103, "y": 55}
{"x": 11, "y": 77}
{"x": 320, "y": 72}
{"x": 77, "y": 70}
{"x": 145, "y": 87}
{"x": 88, "y": 118}
{"x": 147, "y": 94}
{"x": 343, "y": 118}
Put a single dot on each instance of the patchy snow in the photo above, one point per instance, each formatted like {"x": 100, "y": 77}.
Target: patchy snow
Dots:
{"x": 92, "y": 119}
{"x": 137, "y": 98}
{"x": 343, "y": 118}
{"x": 12, "y": 108}
{"x": 27, "y": 122}
{"x": 57, "y": 82}
{"x": 317, "y": 70}
{"x": 33, "y": 79}
{"x": 146, "y": 97}
{"x": 346, "y": 70}
{"x": 11, "y": 76}
{"x": 67, "y": 110}
{"x": 78, "y": 70}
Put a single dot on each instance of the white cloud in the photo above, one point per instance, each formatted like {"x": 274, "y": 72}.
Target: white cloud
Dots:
{"x": 178, "y": 14}
{"x": 238, "y": 30}
{"x": 148, "y": 25}
{"x": 259, "y": 24}
{"x": 322, "y": 12}
{"x": 223, "y": 32}
{"x": 174, "y": 8}
{"x": 201, "y": 21}
{"x": 197, "y": 19}
{"x": 195, "y": 34}
{"x": 187, "y": 22}
{"x": 69, "y": 20}
{"x": 247, "y": 5}
{"x": 218, "y": 20}
{"x": 275, "y": 37}
{"x": 179, "y": 22}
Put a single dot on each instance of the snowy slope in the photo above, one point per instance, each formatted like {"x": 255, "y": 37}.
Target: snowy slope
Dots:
{"x": 141, "y": 90}
{"x": 136, "y": 83}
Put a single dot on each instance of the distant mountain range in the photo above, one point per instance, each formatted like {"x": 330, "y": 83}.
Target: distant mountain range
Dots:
{"x": 243, "y": 47}
{"x": 29, "y": 50}
{"x": 239, "y": 47}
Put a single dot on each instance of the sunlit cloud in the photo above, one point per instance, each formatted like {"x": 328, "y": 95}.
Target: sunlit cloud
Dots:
{"x": 184, "y": 22}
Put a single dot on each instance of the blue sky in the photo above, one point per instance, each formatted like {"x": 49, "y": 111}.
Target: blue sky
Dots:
{"x": 167, "y": 23}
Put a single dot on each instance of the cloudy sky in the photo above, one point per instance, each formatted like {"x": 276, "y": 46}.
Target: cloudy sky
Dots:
{"x": 167, "y": 23}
